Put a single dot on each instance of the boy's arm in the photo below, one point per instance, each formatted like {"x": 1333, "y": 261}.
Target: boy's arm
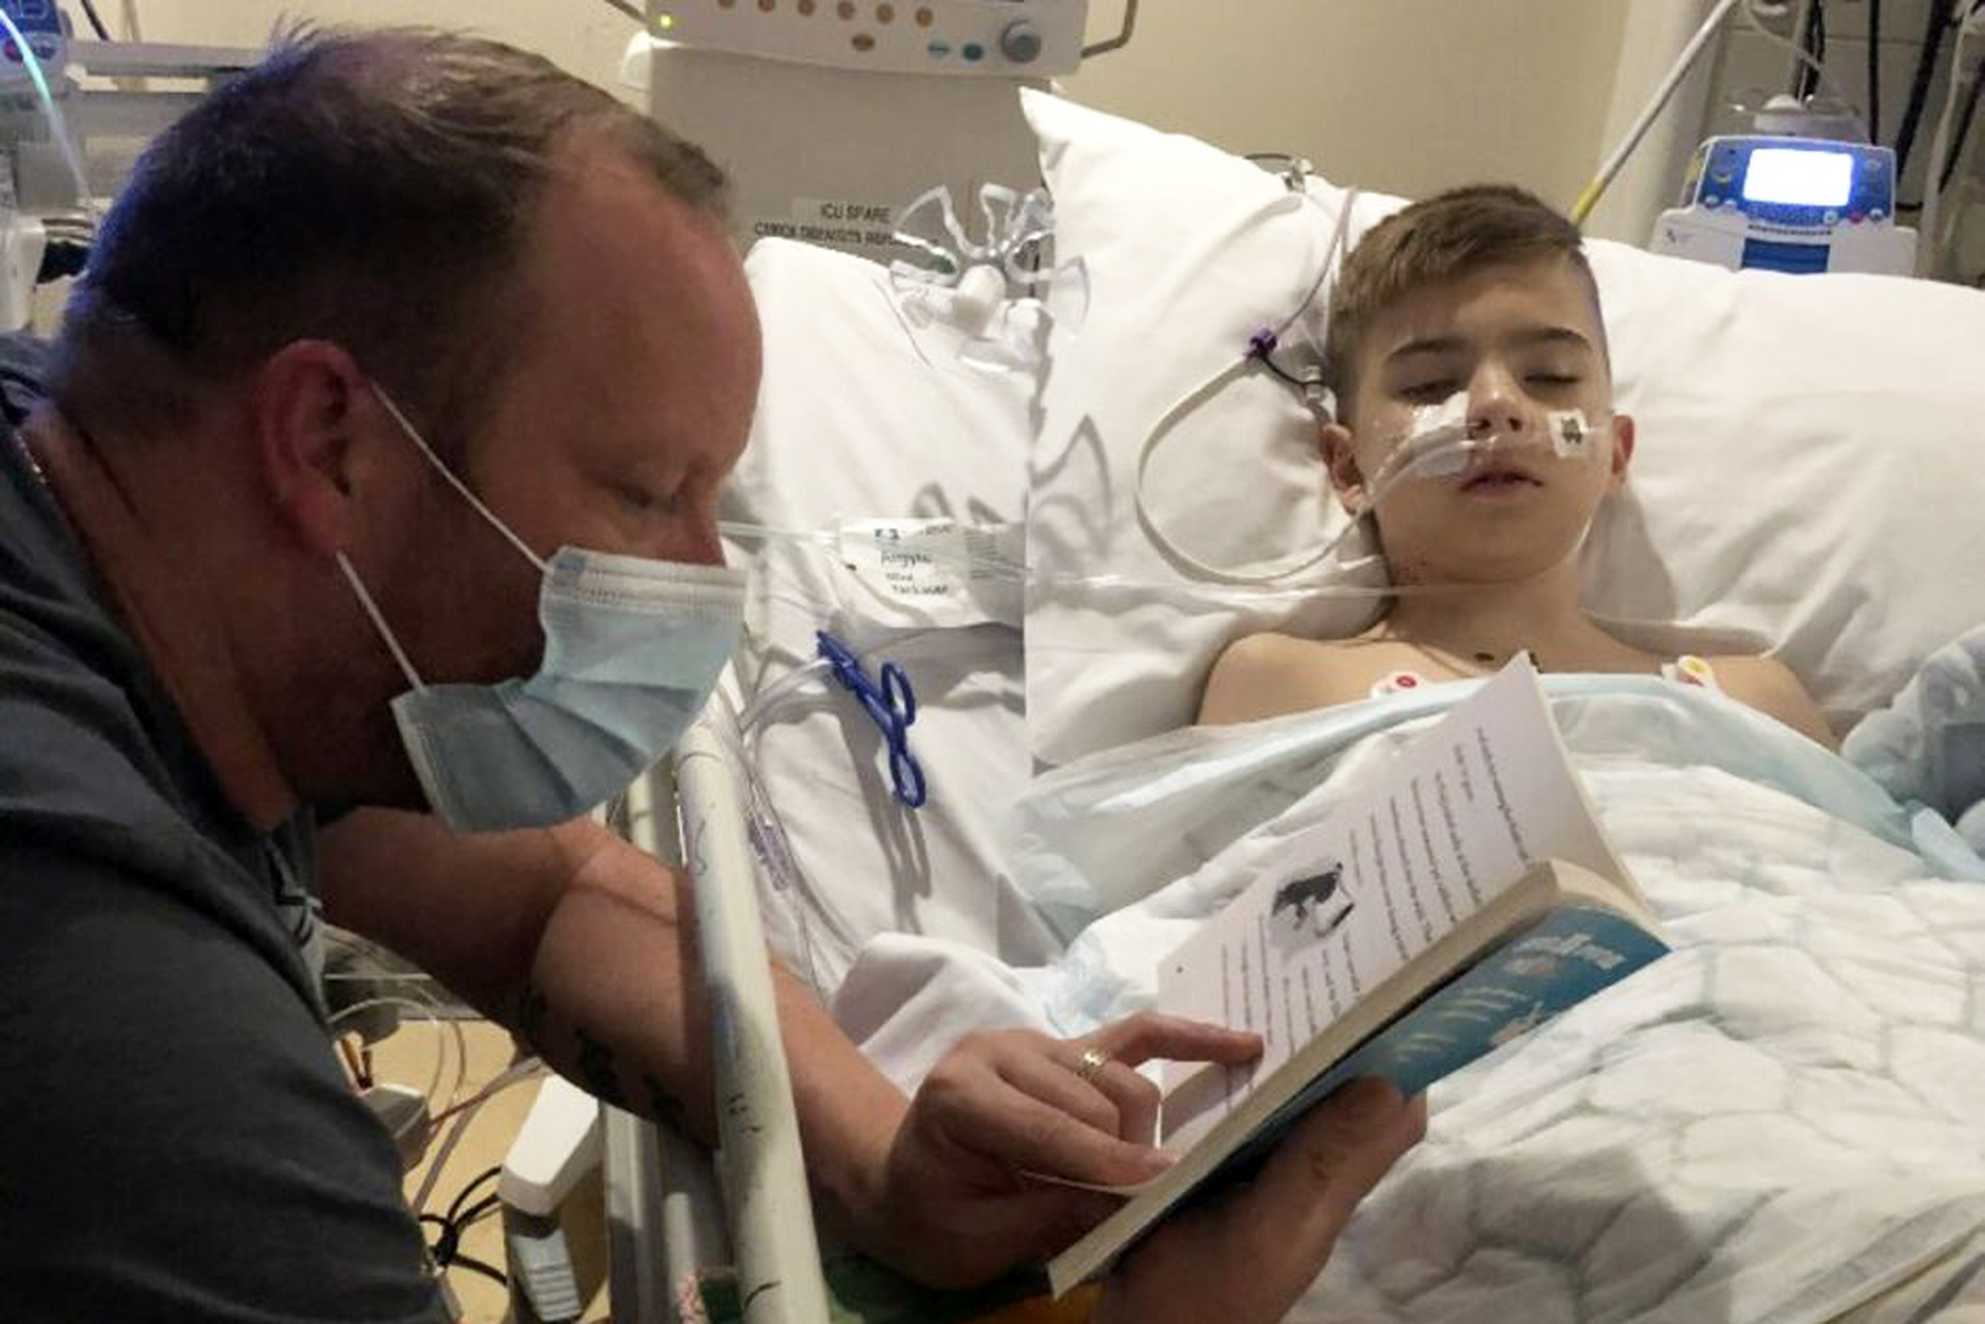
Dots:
{"x": 1267, "y": 675}
{"x": 1769, "y": 686}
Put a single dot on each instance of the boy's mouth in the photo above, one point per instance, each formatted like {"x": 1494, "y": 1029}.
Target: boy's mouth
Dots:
{"x": 1499, "y": 479}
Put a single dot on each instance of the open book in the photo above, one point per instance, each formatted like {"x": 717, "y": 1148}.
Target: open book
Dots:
{"x": 1460, "y": 897}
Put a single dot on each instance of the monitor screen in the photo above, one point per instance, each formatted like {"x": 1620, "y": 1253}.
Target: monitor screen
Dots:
{"x": 1799, "y": 176}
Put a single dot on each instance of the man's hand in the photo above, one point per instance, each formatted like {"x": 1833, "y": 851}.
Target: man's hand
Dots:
{"x": 1248, "y": 1257}
{"x": 958, "y": 1206}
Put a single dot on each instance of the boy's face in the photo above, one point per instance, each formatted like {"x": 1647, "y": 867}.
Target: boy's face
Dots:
{"x": 1519, "y": 341}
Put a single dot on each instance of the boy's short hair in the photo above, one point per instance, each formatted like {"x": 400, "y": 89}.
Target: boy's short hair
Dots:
{"x": 1441, "y": 238}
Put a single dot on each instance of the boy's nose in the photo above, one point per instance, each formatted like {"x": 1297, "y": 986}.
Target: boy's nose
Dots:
{"x": 1494, "y": 409}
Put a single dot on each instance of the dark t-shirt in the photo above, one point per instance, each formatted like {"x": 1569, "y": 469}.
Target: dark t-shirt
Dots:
{"x": 177, "y": 1140}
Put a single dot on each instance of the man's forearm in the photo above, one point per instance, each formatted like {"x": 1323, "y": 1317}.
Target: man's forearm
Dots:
{"x": 615, "y": 1001}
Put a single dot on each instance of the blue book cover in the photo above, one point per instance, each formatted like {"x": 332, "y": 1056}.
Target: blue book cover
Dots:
{"x": 1570, "y": 954}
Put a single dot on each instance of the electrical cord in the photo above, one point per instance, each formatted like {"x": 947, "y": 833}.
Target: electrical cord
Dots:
{"x": 96, "y": 20}
{"x": 447, "y": 1245}
{"x": 1936, "y": 26}
{"x": 1965, "y": 118}
{"x": 487, "y": 1175}
{"x": 1875, "y": 71}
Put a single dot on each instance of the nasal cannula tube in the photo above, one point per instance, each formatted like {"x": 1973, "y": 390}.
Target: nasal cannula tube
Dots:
{"x": 1423, "y": 452}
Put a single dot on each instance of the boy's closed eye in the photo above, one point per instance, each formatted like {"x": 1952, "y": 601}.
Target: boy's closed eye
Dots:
{"x": 1432, "y": 392}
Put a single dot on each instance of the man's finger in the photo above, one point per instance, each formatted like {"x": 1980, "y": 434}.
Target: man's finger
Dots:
{"x": 1026, "y": 1135}
{"x": 1331, "y": 1161}
{"x": 1060, "y": 1086}
{"x": 1135, "y": 1099}
{"x": 1060, "y": 1215}
{"x": 1137, "y": 1039}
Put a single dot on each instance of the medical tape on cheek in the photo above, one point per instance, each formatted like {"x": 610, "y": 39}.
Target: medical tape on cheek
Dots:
{"x": 1570, "y": 433}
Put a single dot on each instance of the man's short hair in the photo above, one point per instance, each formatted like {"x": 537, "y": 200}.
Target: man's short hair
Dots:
{"x": 373, "y": 189}
{"x": 1440, "y": 239}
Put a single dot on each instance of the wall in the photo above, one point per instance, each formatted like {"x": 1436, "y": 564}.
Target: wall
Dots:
{"x": 1406, "y": 96}
{"x": 583, "y": 36}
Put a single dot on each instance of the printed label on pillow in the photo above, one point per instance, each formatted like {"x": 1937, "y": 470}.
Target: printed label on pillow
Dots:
{"x": 934, "y": 571}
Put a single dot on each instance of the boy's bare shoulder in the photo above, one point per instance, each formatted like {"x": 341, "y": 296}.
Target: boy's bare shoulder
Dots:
{"x": 1770, "y": 686}
{"x": 1269, "y": 674}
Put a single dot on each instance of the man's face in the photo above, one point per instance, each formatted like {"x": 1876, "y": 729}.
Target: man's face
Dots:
{"x": 1518, "y": 342}
{"x": 628, "y": 402}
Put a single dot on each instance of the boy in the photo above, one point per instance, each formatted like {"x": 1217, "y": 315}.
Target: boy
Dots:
{"x": 1483, "y": 293}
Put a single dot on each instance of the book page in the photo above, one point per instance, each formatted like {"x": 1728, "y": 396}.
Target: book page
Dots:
{"x": 1461, "y": 812}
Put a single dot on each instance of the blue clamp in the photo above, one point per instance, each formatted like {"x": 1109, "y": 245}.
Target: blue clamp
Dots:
{"x": 892, "y": 706}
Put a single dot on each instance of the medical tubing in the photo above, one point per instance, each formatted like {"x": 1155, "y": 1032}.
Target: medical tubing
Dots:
{"x": 1936, "y": 24}
{"x": 513, "y": 1075}
{"x": 1803, "y": 56}
{"x": 1589, "y": 198}
{"x": 58, "y": 128}
{"x": 741, "y": 734}
{"x": 1411, "y": 456}
{"x": 1258, "y": 351}
{"x": 771, "y": 846}
{"x": 440, "y": 1159}
{"x": 1965, "y": 119}
{"x": 440, "y": 1046}
{"x": 1929, "y": 227}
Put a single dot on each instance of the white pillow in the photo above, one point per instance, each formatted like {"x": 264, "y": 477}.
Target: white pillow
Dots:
{"x": 1807, "y": 470}
{"x": 864, "y": 415}
{"x": 1808, "y": 467}
{"x": 1188, "y": 252}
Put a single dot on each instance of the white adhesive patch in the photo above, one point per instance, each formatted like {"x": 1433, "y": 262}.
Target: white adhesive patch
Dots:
{"x": 1570, "y": 433}
{"x": 1449, "y": 413}
{"x": 1436, "y": 443}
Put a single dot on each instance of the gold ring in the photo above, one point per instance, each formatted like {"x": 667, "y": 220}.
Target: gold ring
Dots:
{"x": 1093, "y": 1062}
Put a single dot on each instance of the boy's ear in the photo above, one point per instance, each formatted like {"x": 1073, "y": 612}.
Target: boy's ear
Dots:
{"x": 1622, "y": 458}
{"x": 1346, "y": 478}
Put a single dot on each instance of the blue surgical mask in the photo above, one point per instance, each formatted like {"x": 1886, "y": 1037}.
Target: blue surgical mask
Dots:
{"x": 633, "y": 648}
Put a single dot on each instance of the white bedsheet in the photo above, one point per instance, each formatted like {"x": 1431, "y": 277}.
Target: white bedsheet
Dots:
{"x": 1780, "y": 1120}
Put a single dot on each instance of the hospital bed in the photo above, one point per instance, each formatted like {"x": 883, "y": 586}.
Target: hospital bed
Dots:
{"x": 1864, "y": 562}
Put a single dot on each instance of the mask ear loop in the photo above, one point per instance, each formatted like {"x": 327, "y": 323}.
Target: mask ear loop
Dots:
{"x": 379, "y": 621}
{"x": 413, "y": 434}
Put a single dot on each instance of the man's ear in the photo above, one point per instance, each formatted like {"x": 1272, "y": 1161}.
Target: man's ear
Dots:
{"x": 1341, "y": 460}
{"x": 305, "y": 404}
{"x": 1623, "y": 440}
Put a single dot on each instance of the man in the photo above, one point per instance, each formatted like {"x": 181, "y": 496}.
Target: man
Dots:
{"x": 407, "y": 368}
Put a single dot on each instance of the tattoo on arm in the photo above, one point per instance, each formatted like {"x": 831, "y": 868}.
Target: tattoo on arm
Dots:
{"x": 594, "y": 1063}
